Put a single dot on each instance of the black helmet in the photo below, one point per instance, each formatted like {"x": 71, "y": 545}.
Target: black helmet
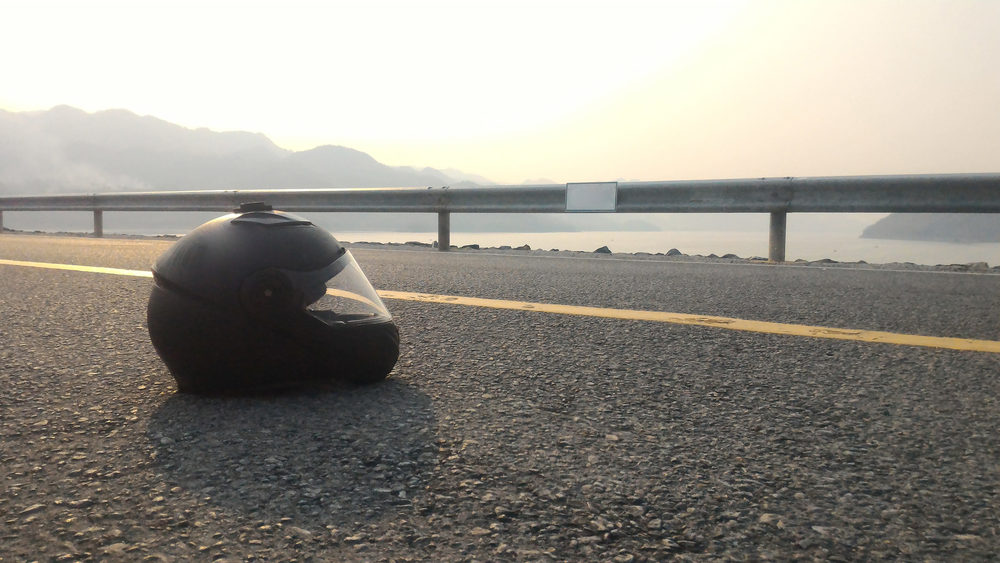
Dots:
{"x": 265, "y": 299}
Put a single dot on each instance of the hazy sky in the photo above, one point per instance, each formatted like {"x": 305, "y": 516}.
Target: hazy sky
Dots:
{"x": 566, "y": 91}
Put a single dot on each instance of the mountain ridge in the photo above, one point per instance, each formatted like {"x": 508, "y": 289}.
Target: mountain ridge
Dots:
{"x": 68, "y": 150}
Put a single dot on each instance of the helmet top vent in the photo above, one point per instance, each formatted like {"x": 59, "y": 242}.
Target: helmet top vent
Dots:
{"x": 251, "y": 206}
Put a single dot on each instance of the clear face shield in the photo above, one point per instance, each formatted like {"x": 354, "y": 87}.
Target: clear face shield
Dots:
{"x": 340, "y": 294}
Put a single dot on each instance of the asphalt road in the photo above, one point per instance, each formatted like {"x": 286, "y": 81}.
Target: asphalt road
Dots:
{"x": 512, "y": 435}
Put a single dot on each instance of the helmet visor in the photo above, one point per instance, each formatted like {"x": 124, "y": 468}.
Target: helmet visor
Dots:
{"x": 343, "y": 295}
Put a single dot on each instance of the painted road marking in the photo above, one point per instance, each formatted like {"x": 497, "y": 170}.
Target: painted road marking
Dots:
{"x": 966, "y": 344}
{"x": 75, "y": 268}
{"x": 709, "y": 321}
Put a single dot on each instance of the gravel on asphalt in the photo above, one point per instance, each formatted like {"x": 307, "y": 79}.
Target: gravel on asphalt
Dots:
{"x": 501, "y": 435}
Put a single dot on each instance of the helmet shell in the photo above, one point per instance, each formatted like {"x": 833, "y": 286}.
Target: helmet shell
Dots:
{"x": 213, "y": 260}
{"x": 207, "y": 323}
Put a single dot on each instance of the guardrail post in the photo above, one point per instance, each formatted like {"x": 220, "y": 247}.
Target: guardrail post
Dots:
{"x": 776, "y": 241}
{"x": 1, "y": 221}
{"x": 444, "y": 231}
{"x": 98, "y": 223}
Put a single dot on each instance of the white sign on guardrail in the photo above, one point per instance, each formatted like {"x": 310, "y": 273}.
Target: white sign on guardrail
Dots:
{"x": 591, "y": 197}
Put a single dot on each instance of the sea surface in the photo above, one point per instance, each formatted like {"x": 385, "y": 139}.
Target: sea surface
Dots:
{"x": 745, "y": 244}
{"x": 809, "y": 236}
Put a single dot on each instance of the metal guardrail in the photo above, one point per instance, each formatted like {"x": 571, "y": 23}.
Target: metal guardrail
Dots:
{"x": 930, "y": 193}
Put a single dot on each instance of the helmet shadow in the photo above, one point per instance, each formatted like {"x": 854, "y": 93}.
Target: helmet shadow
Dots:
{"x": 322, "y": 456}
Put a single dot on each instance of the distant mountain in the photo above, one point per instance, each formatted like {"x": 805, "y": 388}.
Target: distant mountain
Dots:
{"x": 66, "y": 150}
{"x": 941, "y": 227}
{"x": 466, "y": 177}
{"x": 537, "y": 181}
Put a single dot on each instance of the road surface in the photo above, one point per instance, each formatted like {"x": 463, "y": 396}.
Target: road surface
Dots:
{"x": 513, "y": 434}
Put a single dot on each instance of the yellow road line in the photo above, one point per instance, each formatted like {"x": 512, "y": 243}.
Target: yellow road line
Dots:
{"x": 75, "y": 268}
{"x": 710, "y": 321}
{"x": 966, "y": 344}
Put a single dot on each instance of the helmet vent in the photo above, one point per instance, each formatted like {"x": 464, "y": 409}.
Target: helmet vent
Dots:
{"x": 250, "y": 206}
{"x": 270, "y": 219}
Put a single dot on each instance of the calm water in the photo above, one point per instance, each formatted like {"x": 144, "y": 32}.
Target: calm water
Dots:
{"x": 810, "y": 236}
{"x": 809, "y": 246}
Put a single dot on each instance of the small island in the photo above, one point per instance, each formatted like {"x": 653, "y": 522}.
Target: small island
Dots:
{"x": 937, "y": 227}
